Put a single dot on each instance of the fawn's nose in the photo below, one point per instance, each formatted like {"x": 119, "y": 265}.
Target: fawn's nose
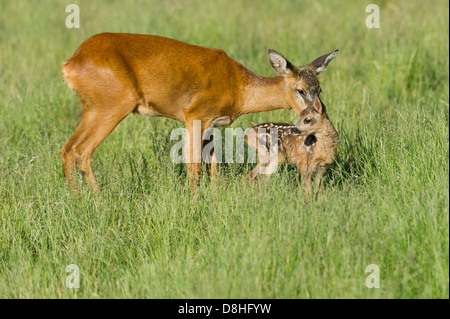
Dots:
{"x": 296, "y": 128}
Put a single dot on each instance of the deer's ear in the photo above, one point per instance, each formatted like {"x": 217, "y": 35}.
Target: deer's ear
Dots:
{"x": 321, "y": 63}
{"x": 279, "y": 63}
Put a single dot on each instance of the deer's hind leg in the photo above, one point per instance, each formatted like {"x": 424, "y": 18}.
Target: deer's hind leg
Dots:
{"x": 67, "y": 153}
{"x": 102, "y": 113}
{"x": 101, "y": 125}
{"x": 108, "y": 97}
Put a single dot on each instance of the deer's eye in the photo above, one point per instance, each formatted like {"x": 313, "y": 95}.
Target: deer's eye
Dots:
{"x": 301, "y": 92}
{"x": 307, "y": 121}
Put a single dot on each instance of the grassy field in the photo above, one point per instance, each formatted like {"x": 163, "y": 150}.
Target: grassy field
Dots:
{"x": 385, "y": 200}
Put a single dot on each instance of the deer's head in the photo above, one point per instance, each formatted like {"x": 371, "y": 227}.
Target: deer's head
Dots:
{"x": 302, "y": 86}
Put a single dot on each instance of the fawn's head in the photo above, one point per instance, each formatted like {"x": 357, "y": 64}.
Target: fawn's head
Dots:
{"x": 302, "y": 84}
{"x": 312, "y": 119}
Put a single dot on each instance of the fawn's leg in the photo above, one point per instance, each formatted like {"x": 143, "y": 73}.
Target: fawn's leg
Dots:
{"x": 307, "y": 183}
{"x": 255, "y": 172}
{"x": 318, "y": 180}
{"x": 263, "y": 162}
{"x": 306, "y": 177}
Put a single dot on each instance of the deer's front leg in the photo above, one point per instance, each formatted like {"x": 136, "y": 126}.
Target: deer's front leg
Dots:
{"x": 193, "y": 151}
{"x": 209, "y": 153}
{"x": 213, "y": 166}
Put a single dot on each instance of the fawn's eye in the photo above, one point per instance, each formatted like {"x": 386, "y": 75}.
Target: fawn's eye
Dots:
{"x": 301, "y": 92}
{"x": 307, "y": 121}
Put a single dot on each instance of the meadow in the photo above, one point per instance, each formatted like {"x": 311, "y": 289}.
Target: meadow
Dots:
{"x": 385, "y": 199}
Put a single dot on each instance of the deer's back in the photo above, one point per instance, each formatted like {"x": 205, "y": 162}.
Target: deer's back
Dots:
{"x": 163, "y": 73}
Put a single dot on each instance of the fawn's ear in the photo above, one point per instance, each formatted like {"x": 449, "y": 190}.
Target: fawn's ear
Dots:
{"x": 321, "y": 63}
{"x": 318, "y": 105}
{"x": 279, "y": 63}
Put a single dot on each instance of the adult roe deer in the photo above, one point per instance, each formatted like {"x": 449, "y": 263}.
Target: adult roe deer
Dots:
{"x": 311, "y": 145}
{"x": 115, "y": 74}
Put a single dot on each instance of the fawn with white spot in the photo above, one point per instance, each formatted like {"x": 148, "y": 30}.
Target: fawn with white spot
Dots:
{"x": 311, "y": 145}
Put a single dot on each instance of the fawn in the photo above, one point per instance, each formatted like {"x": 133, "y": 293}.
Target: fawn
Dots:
{"x": 311, "y": 144}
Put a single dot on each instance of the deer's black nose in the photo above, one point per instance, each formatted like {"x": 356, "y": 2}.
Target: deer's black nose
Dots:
{"x": 295, "y": 130}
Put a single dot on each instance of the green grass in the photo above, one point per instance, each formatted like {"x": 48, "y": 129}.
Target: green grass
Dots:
{"x": 385, "y": 199}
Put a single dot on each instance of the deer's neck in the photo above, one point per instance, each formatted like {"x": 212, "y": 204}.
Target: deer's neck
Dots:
{"x": 328, "y": 138}
{"x": 262, "y": 94}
